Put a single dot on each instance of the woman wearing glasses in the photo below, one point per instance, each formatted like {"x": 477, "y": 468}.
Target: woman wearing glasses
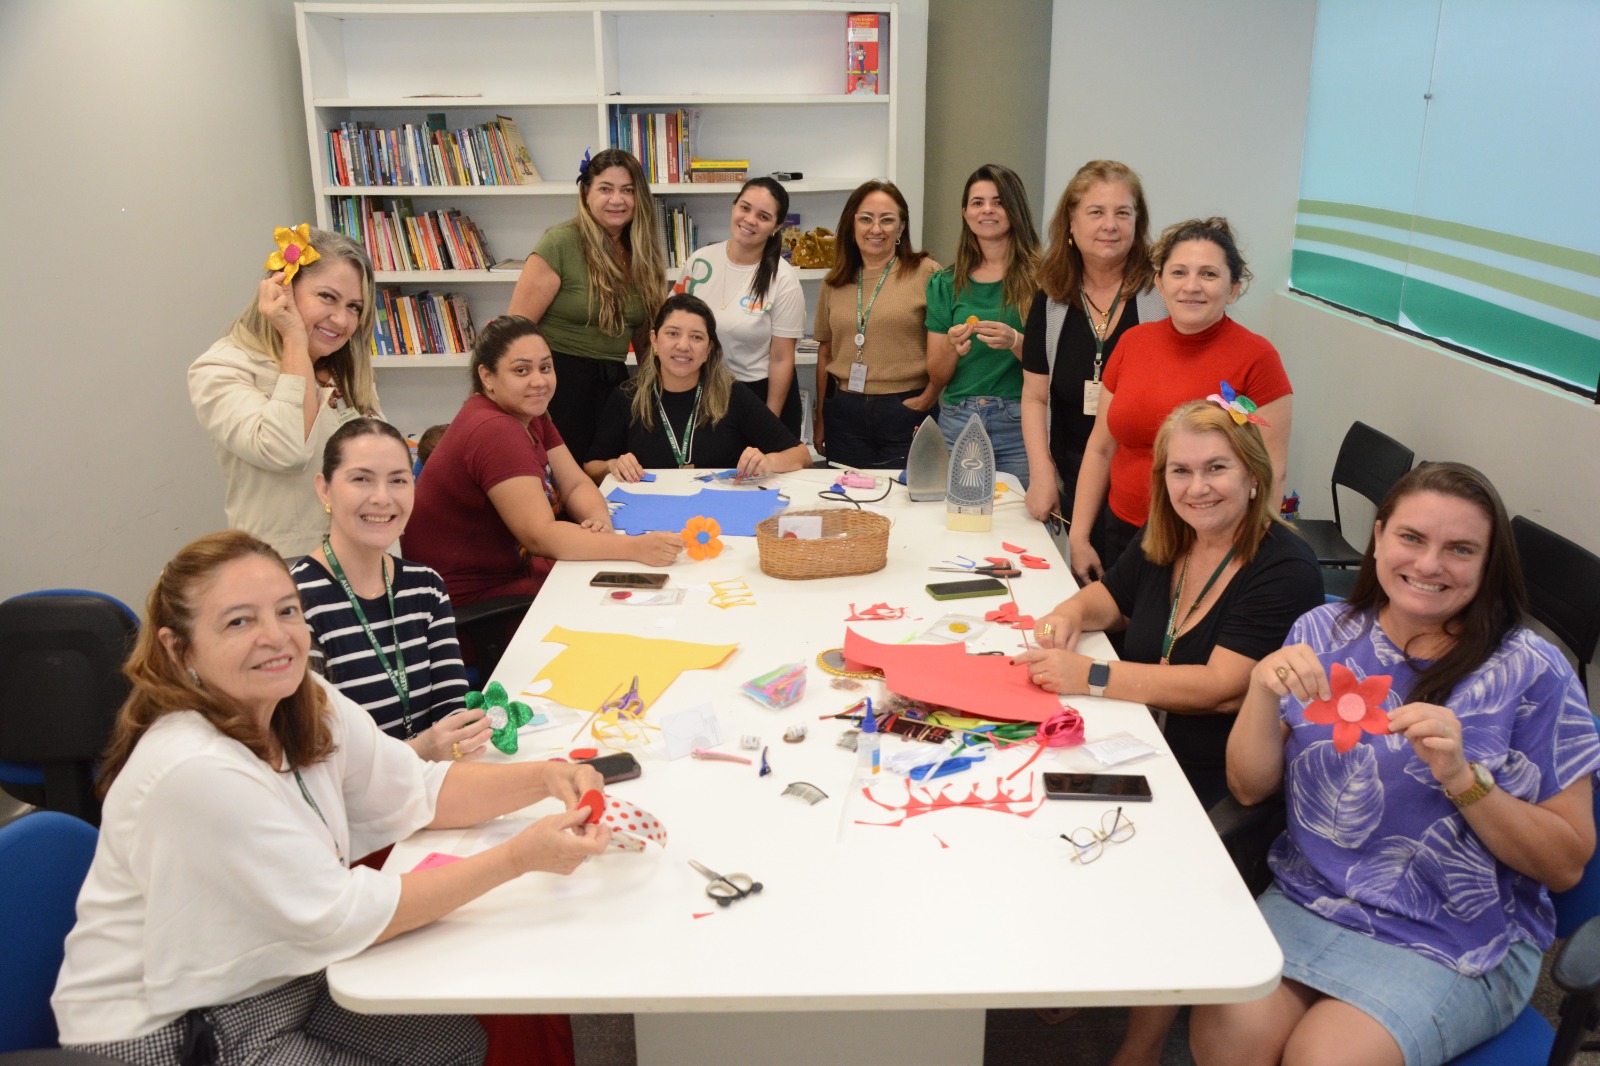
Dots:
{"x": 1215, "y": 586}
{"x": 872, "y": 341}
{"x": 1438, "y": 760}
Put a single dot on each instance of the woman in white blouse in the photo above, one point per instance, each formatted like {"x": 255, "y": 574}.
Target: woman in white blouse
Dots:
{"x": 755, "y": 294}
{"x": 238, "y": 786}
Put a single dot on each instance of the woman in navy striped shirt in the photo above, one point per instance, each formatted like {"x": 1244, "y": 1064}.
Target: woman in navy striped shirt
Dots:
{"x": 385, "y": 634}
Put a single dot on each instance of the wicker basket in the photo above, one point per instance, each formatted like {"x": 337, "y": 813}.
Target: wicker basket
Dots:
{"x": 853, "y": 542}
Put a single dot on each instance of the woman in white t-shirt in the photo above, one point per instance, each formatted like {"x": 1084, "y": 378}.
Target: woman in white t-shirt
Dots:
{"x": 755, "y": 294}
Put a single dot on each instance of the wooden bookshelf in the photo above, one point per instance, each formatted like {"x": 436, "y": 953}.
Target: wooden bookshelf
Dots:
{"x": 768, "y": 82}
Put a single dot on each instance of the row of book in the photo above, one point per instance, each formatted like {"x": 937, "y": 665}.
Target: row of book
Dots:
{"x": 422, "y": 323}
{"x": 680, "y": 235}
{"x": 663, "y": 141}
{"x": 491, "y": 153}
{"x": 398, "y": 238}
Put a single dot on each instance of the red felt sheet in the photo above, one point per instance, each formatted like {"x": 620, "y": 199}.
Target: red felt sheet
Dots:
{"x": 986, "y": 686}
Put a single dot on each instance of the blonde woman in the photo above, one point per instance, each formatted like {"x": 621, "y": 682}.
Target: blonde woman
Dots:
{"x": 991, "y": 287}
{"x": 593, "y": 284}
{"x": 296, "y": 365}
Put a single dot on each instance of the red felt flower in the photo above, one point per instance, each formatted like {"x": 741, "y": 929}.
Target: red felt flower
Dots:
{"x": 1356, "y": 706}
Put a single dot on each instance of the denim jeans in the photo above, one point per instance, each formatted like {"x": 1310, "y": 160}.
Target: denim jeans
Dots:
{"x": 1002, "y": 420}
{"x": 869, "y": 432}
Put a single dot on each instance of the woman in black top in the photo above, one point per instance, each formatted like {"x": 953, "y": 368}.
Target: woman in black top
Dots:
{"x": 1217, "y": 585}
{"x": 1095, "y": 284}
{"x": 682, "y": 409}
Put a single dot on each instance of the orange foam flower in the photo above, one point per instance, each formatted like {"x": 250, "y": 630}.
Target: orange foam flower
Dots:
{"x": 294, "y": 251}
{"x": 1356, "y": 707}
{"x": 702, "y": 538}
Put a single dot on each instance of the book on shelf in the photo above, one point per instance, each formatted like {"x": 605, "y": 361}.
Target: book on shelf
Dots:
{"x": 866, "y": 54}
{"x": 397, "y": 238}
{"x": 719, "y": 170}
{"x": 662, "y": 141}
{"x": 680, "y": 236}
{"x": 490, "y": 153}
{"x": 423, "y": 323}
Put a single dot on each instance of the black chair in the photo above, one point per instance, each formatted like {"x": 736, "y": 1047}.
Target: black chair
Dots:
{"x": 1247, "y": 833}
{"x": 1563, "y": 581}
{"x": 61, "y": 683}
{"x": 485, "y": 629}
{"x": 1369, "y": 463}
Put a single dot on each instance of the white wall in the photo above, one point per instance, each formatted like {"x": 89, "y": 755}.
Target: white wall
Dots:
{"x": 151, "y": 149}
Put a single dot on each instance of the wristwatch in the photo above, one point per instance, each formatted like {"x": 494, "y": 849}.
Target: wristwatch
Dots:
{"x": 1099, "y": 678}
{"x": 1485, "y": 782}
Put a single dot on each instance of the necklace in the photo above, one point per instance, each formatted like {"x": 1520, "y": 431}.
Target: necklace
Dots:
{"x": 1173, "y": 625}
{"x": 306, "y": 792}
{"x": 396, "y": 669}
{"x": 1090, "y": 309}
{"x": 684, "y": 452}
{"x": 863, "y": 316}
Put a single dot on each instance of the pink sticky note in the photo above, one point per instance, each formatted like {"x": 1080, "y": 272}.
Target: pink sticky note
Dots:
{"x": 434, "y": 859}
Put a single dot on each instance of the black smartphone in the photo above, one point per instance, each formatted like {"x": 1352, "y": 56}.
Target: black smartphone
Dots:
{"x": 618, "y": 579}
{"x": 960, "y": 590}
{"x": 613, "y": 768}
{"x": 1125, "y": 787}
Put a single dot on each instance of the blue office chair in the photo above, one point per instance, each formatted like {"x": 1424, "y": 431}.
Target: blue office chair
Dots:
{"x": 1530, "y": 1039}
{"x": 61, "y": 683}
{"x": 44, "y": 857}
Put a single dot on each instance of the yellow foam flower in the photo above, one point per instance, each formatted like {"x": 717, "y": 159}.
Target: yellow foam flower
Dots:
{"x": 294, "y": 250}
{"x": 702, "y": 538}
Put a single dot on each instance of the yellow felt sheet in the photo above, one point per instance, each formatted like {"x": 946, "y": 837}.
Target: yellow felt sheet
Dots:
{"x": 598, "y": 665}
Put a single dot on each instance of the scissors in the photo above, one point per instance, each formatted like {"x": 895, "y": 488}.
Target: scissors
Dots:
{"x": 994, "y": 567}
{"x": 725, "y": 888}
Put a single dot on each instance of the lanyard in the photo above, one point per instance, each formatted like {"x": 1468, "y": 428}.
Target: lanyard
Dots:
{"x": 862, "y": 317}
{"x": 395, "y": 670}
{"x": 306, "y": 792}
{"x": 684, "y": 453}
{"x": 1172, "y": 618}
{"x": 1100, "y": 334}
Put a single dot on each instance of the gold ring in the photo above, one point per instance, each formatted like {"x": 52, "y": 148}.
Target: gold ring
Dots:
{"x": 1283, "y": 673}
{"x": 1047, "y": 630}
{"x": 455, "y": 750}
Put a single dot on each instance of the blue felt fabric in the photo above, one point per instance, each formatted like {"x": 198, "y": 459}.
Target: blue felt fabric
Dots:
{"x": 737, "y": 512}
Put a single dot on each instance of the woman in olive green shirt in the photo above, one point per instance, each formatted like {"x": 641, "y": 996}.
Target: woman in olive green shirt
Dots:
{"x": 593, "y": 285}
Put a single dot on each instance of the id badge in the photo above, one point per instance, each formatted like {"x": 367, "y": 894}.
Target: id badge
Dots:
{"x": 858, "y": 377}
{"x": 1091, "y": 398}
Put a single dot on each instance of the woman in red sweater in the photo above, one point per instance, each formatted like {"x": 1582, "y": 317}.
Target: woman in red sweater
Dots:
{"x": 1162, "y": 364}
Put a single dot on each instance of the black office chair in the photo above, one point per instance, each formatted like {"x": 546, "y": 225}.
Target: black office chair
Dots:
{"x": 485, "y": 629}
{"x": 1369, "y": 463}
{"x": 61, "y": 683}
{"x": 1563, "y": 581}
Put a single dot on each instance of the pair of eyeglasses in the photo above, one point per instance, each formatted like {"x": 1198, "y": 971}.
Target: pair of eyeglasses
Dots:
{"x": 1089, "y": 844}
{"x": 1056, "y": 524}
{"x": 886, "y": 221}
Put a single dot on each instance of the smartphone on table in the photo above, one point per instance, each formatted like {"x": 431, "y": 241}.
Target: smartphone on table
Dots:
{"x": 961, "y": 590}
{"x": 613, "y": 768}
{"x": 620, "y": 579}
{"x": 1105, "y": 787}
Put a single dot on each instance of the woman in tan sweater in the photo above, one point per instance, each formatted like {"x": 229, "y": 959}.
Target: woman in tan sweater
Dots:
{"x": 872, "y": 341}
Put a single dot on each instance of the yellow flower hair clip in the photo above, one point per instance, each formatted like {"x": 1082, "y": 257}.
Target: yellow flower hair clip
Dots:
{"x": 294, "y": 251}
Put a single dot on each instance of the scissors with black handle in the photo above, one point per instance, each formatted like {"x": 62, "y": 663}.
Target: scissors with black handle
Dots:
{"x": 725, "y": 888}
{"x": 981, "y": 570}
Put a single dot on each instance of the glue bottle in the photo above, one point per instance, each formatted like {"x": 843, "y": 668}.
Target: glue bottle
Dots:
{"x": 867, "y": 744}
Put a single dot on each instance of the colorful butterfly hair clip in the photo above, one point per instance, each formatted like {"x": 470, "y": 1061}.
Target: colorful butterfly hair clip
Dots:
{"x": 294, "y": 251}
{"x": 1238, "y": 405}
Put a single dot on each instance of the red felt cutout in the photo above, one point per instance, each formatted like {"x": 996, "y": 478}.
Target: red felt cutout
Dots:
{"x": 1033, "y": 562}
{"x": 596, "y": 803}
{"x": 1356, "y": 707}
{"x": 986, "y": 685}
{"x": 1007, "y": 616}
{"x": 584, "y": 753}
{"x": 1012, "y": 548}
